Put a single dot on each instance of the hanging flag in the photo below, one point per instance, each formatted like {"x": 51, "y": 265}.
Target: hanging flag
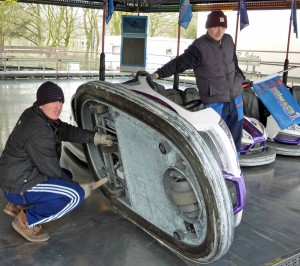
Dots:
{"x": 294, "y": 17}
{"x": 185, "y": 14}
{"x": 242, "y": 10}
{"x": 109, "y": 10}
{"x": 278, "y": 100}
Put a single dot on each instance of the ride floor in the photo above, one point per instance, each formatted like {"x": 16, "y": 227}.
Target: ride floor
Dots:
{"x": 95, "y": 234}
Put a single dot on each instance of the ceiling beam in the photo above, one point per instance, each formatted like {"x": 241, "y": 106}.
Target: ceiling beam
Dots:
{"x": 167, "y": 5}
{"x": 257, "y": 5}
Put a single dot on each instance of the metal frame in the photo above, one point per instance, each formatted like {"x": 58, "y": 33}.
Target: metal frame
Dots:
{"x": 155, "y": 6}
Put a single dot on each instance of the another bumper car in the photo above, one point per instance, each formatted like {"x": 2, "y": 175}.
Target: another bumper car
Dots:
{"x": 254, "y": 150}
{"x": 285, "y": 142}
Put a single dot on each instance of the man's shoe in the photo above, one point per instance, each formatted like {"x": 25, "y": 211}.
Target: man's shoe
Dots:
{"x": 12, "y": 209}
{"x": 34, "y": 234}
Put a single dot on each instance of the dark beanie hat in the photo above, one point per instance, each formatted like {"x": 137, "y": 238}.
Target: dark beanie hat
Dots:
{"x": 49, "y": 92}
{"x": 216, "y": 19}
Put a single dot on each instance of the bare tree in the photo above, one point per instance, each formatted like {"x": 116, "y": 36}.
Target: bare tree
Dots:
{"x": 114, "y": 26}
{"x": 160, "y": 24}
{"x": 33, "y": 24}
{"x": 96, "y": 40}
{"x": 46, "y": 25}
{"x": 8, "y": 26}
{"x": 54, "y": 22}
{"x": 69, "y": 22}
{"x": 166, "y": 24}
{"x": 91, "y": 29}
{"x": 191, "y": 31}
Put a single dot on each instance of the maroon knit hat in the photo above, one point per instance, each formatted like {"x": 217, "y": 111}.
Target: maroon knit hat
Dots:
{"x": 216, "y": 19}
{"x": 49, "y": 92}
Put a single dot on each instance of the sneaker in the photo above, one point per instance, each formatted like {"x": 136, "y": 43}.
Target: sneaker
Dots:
{"x": 12, "y": 209}
{"x": 34, "y": 234}
{"x": 87, "y": 189}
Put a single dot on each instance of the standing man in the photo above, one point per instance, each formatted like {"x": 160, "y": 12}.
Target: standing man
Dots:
{"x": 218, "y": 76}
{"x": 37, "y": 188}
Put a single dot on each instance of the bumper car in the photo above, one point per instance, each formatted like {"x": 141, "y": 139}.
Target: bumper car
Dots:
{"x": 254, "y": 149}
{"x": 172, "y": 171}
{"x": 286, "y": 141}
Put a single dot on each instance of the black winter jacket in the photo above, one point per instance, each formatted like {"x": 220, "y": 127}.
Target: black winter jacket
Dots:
{"x": 215, "y": 64}
{"x": 32, "y": 152}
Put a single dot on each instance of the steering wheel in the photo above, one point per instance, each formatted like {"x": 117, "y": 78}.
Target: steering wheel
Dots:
{"x": 149, "y": 80}
{"x": 192, "y": 104}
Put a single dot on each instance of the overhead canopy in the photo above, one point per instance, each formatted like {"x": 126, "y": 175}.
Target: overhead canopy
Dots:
{"x": 152, "y": 6}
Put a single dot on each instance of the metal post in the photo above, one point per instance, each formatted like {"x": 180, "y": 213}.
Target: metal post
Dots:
{"x": 176, "y": 76}
{"x": 236, "y": 28}
{"x": 286, "y": 62}
{"x": 102, "y": 55}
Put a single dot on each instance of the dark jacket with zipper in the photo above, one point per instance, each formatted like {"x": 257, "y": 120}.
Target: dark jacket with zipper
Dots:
{"x": 33, "y": 150}
{"x": 215, "y": 64}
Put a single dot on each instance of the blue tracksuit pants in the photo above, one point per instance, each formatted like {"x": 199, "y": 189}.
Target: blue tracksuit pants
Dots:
{"x": 233, "y": 115}
{"x": 48, "y": 200}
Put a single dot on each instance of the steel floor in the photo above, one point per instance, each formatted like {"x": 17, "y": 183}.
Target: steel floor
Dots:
{"x": 95, "y": 234}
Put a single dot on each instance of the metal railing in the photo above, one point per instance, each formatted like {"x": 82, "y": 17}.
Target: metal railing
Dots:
{"x": 254, "y": 63}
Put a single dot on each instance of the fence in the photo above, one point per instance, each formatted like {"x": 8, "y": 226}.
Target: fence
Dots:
{"x": 59, "y": 62}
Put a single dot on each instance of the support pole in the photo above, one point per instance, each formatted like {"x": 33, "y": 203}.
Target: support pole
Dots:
{"x": 286, "y": 62}
{"x": 176, "y": 76}
{"x": 236, "y": 29}
{"x": 102, "y": 55}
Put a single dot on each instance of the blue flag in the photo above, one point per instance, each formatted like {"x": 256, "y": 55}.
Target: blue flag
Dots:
{"x": 294, "y": 17}
{"x": 185, "y": 14}
{"x": 278, "y": 100}
{"x": 242, "y": 10}
{"x": 109, "y": 10}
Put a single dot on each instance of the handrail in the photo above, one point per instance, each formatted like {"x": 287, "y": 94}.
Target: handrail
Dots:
{"x": 33, "y": 50}
{"x": 5, "y": 60}
{"x": 249, "y": 61}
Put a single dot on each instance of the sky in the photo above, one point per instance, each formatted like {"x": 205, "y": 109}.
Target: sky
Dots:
{"x": 267, "y": 30}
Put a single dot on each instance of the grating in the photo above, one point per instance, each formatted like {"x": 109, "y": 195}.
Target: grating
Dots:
{"x": 212, "y": 147}
{"x": 291, "y": 261}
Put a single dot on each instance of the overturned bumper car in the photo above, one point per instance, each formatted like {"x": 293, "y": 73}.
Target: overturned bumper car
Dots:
{"x": 172, "y": 172}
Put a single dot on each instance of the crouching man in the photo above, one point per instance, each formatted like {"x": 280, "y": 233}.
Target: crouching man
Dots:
{"x": 37, "y": 188}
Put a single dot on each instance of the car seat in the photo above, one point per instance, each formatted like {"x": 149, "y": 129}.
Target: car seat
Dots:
{"x": 295, "y": 90}
{"x": 253, "y": 107}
